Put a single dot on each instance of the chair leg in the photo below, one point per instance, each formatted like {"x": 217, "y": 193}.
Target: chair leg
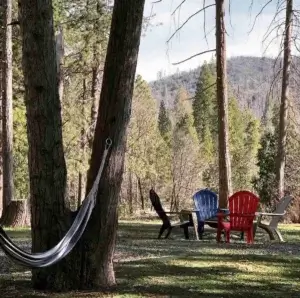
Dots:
{"x": 250, "y": 236}
{"x": 219, "y": 232}
{"x": 186, "y": 231}
{"x": 228, "y": 236}
{"x": 254, "y": 229}
{"x": 162, "y": 229}
{"x": 169, "y": 232}
{"x": 269, "y": 231}
{"x": 279, "y": 235}
{"x": 242, "y": 235}
{"x": 200, "y": 229}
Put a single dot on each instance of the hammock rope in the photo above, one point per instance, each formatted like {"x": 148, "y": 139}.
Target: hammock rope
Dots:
{"x": 67, "y": 243}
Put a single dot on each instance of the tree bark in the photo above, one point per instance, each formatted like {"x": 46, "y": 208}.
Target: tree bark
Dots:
{"x": 222, "y": 98}
{"x": 98, "y": 244}
{"x": 17, "y": 214}
{"x": 141, "y": 193}
{"x": 7, "y": 108}
{"x": 1, "y": 137}
{"x": 47, "y": 168}
{"x": 130, "y": 193}
{"x": 283, "y": 121}
{"x": 91, "y": 264}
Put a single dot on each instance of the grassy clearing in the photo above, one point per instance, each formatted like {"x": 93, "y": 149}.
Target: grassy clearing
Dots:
{"x": 147, "y": 267}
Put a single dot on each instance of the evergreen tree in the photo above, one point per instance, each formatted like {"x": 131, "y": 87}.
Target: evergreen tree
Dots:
{"x": 204, "y": 104}
{"x": 244, "y": 143}
{"x": 264, "y": 184}
{"x": 237, "y": 127}
{"x": 112, "y": 120}
{"x": 205, "y": 122}
{"x": 148, "y": 155}
{"x": 183, "y": 114}
{"x": 164, "y": 122}
{"x": 185, "y": 151}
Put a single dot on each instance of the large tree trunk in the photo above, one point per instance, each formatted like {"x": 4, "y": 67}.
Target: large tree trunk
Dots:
{"x": 222, "y": 98}
{"x": 7, "y": 108}
{"x": 1, "y": 177}
{"x": 284, "y": 99}
{"x": 1, "y": 97}
{"x": 47, "y": 168}
{"x": 97, "y": 247}
{"x": 14, "y": 212}
{"x": 17, "y": 214}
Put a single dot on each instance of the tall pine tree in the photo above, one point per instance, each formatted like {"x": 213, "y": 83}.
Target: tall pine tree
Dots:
{"x": 204, "y": 104}
{"x": 164, "y": 122}
{"x": 185, "y": 149}
{"x": 205, "y": 111}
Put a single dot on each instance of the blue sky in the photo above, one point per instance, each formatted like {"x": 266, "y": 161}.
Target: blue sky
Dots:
{"x": 156, "y": 55}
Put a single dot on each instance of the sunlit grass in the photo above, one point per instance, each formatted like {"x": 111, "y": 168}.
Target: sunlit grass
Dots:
{"x": 148, "y": 267}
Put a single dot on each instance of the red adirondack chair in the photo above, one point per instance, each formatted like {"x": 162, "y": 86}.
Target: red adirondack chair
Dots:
{"x": 242, "y": 208}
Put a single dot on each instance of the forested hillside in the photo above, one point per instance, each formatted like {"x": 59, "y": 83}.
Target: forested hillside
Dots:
{"x": 250, "y": 80}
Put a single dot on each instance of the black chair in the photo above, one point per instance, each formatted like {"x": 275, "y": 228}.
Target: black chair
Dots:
{"x": 167, "y": 225}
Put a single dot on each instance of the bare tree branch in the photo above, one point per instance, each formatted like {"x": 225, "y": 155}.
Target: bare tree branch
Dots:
{"x": 229, "y": 10}
{"x": 208, "y": 87}
{"x": 191, "y": 16}
{"x": 204, "y": 23}
{"x": 296, "y": 46}
{"x": 272, "y": 22}
{"x": 260, "y": 12}
{"x": 178, "y": 7}
{"x": 250, "y": 8}
{"x": 269, "y": 43}
{"x": 273, "y": 83}
{"x": 204, "y": 52}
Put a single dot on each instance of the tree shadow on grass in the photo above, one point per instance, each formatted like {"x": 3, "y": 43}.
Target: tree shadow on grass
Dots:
{"x": 172, "y": 267}
{"x": 148, "y": 278}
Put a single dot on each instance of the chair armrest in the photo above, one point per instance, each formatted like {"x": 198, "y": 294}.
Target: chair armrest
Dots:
{"x": 270, "y": 214}
{"x": 261, "y": 214}
{"x": 223, "y": 209}
{"x": 222, "y": 214}
{"x": 189, "y": 211}
{"x": 169, "y": 212}
{"x": 241, "y": 215}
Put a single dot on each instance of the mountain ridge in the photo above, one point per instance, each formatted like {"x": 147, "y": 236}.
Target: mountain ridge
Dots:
{"x": 249, "y": 79}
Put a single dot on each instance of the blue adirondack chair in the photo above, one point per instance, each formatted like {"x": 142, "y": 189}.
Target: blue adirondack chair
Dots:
{"x": 206, "y": 204}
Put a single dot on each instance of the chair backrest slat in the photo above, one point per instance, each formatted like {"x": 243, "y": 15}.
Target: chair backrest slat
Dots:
{"x": 240, "y": 204}
{"x": 155, "y": 200}
{"x": 206, "y": 202}
{"x": 281, "y": 207}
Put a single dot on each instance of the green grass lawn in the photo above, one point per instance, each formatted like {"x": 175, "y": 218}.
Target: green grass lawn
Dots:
{"x": 147, "y": 267}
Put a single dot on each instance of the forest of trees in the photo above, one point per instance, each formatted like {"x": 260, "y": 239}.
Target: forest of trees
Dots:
{"x": 64, "y": 91}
